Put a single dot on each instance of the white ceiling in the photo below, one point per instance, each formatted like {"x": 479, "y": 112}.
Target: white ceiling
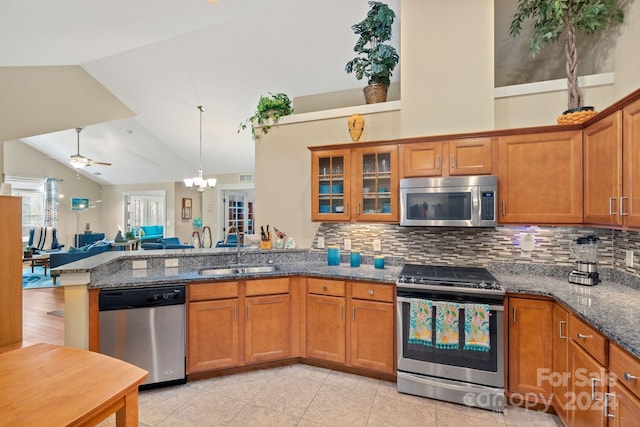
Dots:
{"x": 163, "y": 58}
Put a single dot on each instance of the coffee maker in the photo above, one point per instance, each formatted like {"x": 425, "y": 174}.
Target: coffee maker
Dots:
{"x": 585, "y": 252}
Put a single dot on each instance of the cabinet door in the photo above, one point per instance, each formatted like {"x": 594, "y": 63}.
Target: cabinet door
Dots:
{"x": 588, "y": 388}
{"x": 10, "y": 270}
{"x": 267, "y": 328}
{"x": 540, "y": 178}
{"x": 375, "y": 184}
{"x": 326, "y": 328}
{"x": 212, "y": 335}
{"x": 372, "y": 328}
{"x": 560, "y": 387}
{"x": 603, "y": 170}
{"x": 330, "y": 185}
{"x": 421, "y": 159}
{"x": 623, "y": 408}
{"x": 471, "y": 156}
{"x": 530, "y": 346}
{"x": 631, "y": 178}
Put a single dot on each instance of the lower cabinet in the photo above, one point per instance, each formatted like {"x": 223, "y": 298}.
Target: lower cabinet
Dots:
{"x": 588, "y": 385}
{"x": 623, "y": 400}
{"x": 326, "y": 326}
{"x": 560, "y": 341}
{"x": 267, "y": 328}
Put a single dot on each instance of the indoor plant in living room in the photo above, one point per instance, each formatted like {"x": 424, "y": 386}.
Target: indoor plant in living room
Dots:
{"x": 551, "y": 19}
{"x": 268, "y": 112}
{"x": 376, "y": 59}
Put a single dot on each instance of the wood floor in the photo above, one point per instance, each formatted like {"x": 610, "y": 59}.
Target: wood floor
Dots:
{"x": 37, "y": 325}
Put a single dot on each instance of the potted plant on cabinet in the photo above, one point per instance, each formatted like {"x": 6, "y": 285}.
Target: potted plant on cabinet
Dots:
{"x": 551, "y": 19}
{"x": 268, "y": 112}
{"x": 379, "y": 59}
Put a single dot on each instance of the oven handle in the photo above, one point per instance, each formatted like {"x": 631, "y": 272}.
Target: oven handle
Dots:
{"x": 491, "y": 307}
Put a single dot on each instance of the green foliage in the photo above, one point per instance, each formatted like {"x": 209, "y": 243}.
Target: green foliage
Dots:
{"x": 551, "y": 18}
{"x": 270, "y": 107}
{"x": 379, "y": 59}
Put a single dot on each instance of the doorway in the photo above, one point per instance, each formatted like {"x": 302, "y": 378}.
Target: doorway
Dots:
{"x": 238, "y": 211}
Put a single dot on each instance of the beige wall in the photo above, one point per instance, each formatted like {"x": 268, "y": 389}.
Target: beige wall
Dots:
{"x": 447, "y": 66}
{"x": 23, "y": 160}
{"x": 543, "y": 108}
{"x": 282, "y": 176}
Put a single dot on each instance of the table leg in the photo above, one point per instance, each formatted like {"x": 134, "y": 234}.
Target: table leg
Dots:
{"x": 127, "y": 416}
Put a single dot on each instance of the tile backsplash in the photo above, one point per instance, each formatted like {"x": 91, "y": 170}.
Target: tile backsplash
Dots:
{"x": 479, "y": 246}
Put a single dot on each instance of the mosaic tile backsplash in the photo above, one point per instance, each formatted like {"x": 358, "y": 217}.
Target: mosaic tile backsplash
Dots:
{"x": 480, "y": 246}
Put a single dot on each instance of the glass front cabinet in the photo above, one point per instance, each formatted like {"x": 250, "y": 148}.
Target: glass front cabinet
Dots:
{"x": 359, "y": 184}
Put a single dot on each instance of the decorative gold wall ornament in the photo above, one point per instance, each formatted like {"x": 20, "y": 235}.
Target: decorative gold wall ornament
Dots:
{"x": 356, "y": 126}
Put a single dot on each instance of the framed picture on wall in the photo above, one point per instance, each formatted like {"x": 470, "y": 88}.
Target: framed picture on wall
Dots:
{"x": 186, "y": 208}
{"x": 186, "y": 202}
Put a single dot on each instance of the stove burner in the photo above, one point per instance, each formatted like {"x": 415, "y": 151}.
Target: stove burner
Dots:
{"x": 448, "y": 276}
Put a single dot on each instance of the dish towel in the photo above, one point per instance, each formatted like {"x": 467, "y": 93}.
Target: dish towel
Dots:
{"x": 420, "y": 324}
{"x": 447, "y": 335}
{"x": 476, "y": 327}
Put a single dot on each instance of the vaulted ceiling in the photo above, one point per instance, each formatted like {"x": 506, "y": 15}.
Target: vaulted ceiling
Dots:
{"x": 163, "y": 58}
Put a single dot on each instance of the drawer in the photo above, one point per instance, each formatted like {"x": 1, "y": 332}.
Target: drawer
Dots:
{"x": 209, "y": 291}
{"x": 267, "y": 286}
{"x": 625, "y": 369}
{"x": 326, "y": 287}
{"x": 589, "y": 339}
{"x": 372, "y": 292}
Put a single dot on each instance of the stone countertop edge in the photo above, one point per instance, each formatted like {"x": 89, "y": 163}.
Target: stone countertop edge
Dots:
{"x": 612, "y": 306}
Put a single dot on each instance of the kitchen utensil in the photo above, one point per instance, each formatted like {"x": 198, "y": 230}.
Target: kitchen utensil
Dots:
{"x": 585, "y": 252}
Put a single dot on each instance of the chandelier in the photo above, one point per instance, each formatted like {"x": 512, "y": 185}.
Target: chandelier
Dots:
{"x": 199, "y": 182}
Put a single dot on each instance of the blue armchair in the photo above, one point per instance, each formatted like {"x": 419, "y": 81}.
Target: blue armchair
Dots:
{"x": 43, "y": 236}
{"x": 151, "y": 233}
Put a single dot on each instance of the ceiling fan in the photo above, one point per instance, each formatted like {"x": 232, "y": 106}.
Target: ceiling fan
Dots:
{"x": 79, "y": 161}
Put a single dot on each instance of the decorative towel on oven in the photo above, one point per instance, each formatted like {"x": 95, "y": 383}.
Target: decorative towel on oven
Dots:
{"x": 447, "y": 335}
{"x": 420, "y": 324}
{"x": 476, "y": 327}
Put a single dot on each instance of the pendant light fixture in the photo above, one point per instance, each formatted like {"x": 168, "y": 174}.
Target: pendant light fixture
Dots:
{"x": 199, "y": 182}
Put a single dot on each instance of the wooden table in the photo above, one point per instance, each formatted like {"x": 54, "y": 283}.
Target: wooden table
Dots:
{"x": 40, "y": 259}
{"x": 49, "y": 385}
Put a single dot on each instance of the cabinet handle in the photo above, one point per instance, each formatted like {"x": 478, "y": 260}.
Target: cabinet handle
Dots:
{"x": 607, "y": 398}
{"x": 324, "y": 289}
{"x": 583, "y": 336}
{"x": 560, "y": 323}
{"x": 235, "y": 313}
{"x": 438, "y": 162}
{"x": 611, "y": 200}
{"x": 358, "y": 208}
{"x": 504, "y": 208}
{"x": 371, "y": 292}
{"x": 629, "y": 377}
{"x": 453, "y": 161}
{"x": 593, "y": 389}
{"x": 353, "y": 313}
{"x": 346, "y": 209}
{"x": 514, "y": 315}
{"x": 248, "y": 312}
{"x": 341, "y": 308}
{"x": 620, "y": 209}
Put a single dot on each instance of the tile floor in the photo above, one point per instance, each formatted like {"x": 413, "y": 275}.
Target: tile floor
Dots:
{"x": 302, "y": 395}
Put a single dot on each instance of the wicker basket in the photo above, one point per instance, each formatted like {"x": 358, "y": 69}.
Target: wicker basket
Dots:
{"x": 576, "y": 117}
{"x": 375, "y": 93}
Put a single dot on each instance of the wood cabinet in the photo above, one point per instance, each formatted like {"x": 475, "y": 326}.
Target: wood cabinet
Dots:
{"x": 213, "y": 337}
{"x": 371, "y": 331}
{"x": 540, "y": 178}
{"x": 588, "y": 385}
{"x": 326, "y": 332}
{"x": 470, "y": 156}
{"x": 612, "y": 169}
{"x": 220, "y": 336}
{"x": 359, "y": 184}
{"x": 560, "y": 345}
{"x": 623, "y": 400}
{"x": 10, "y": 270}
{"x": 530, "y": 347}
{"x": 268, "y": 320}
{"x": 622, "y": 407}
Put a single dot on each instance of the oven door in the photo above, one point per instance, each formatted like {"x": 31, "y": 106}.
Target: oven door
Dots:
{"x": 469, "y": 366}
{"x": 439, "y": 206}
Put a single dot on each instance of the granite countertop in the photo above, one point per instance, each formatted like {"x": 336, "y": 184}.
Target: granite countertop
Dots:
{"x": 610, "y": 307}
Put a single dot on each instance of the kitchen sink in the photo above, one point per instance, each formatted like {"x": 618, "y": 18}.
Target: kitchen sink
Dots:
{"x": 241, "y": 269}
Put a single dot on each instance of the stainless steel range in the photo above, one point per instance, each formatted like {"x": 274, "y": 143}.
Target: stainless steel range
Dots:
{"x": 451, "y": 335}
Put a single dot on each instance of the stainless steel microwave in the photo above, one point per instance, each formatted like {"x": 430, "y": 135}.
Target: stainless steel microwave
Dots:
{"x": 461, "y": 201}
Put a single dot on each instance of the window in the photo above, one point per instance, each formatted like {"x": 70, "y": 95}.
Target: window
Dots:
{"x": 144, "y": 209}
{"x": 32, "y": 191}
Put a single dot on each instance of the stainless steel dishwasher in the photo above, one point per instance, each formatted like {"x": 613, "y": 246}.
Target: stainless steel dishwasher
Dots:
{"x": 146, "y": 327}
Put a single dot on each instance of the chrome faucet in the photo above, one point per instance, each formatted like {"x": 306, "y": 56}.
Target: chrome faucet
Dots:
{"x": 238, "y": 251}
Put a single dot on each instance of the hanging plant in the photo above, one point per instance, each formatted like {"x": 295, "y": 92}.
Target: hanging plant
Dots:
{"x": 268, "y": 112}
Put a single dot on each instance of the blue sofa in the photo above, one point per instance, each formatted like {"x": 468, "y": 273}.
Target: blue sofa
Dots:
{"x": 166, "y": 243}
{"x": 151, "y": 233}
{"x": 56, "y": 259}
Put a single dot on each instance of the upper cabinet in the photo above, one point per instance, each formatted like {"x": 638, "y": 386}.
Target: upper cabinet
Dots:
{"x": 469, "y": 156}
{"x": 359, "y": 184}
{"x": 540, "y": 178}
{"x": 612, "y": 168}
